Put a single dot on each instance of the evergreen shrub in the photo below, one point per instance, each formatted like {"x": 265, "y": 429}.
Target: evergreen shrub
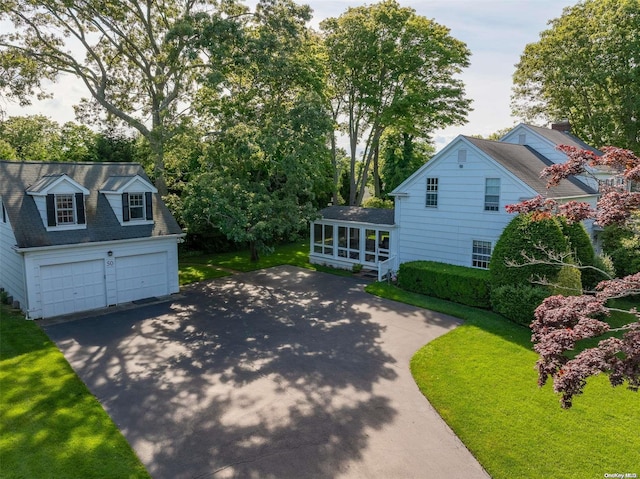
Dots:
{"x": 583, "y": 252}
{"x": 460, "y": 284}
{"x": 526, "y": 234}
{"x": 518, "y": 302}
{"x": 622, "y": 245}
{"x": 568, "y": 282}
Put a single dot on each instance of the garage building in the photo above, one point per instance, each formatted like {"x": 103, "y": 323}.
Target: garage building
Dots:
{"x": 82, "y": 236}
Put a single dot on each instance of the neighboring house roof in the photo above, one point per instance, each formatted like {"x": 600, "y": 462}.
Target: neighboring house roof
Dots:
{"x": 562, "y": 138}
{"x": 101, "y": 222}
{"x": 379, "y": 216}
{"x": 526, "y": 164}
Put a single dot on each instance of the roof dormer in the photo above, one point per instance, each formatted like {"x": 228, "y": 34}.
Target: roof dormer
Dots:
{"x": 60, "y": 201}
{"x": 131, "y": 198}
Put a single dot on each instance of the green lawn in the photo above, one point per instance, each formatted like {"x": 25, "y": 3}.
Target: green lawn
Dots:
{"x": 50, "y": 424}
{"x": 481, "y": 379}
{"x": 194, "y": 272}
{"x": 207, "y": 266}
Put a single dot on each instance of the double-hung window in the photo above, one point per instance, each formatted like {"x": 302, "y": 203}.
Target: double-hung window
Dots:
{"x": 136, "y": 206}
{"x": 481, "y": 254}
{"x": 65, "y": 210}
{"x": 492, "y": 194}
{"x": 432, "y": 193}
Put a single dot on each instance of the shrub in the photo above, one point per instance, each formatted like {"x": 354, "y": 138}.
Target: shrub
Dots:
{"x": 626, "y": 261}
{"x": 524, "y": 234}
{"x": 623, "y": 247}
{"x": 464, "y": 285}
{"x": 518, "y": 302}
{"x": 583, "y": 253}
{"x": 568, "y": 282}
{"x": 603, "y": 263}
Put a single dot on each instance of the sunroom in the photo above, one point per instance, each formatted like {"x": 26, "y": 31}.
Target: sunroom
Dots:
{"x": 345, "y": 236}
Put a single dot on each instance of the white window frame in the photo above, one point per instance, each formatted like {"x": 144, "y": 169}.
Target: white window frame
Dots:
{"x": 325, "y": 244}
{"x": 141, "y": 206}
{"x": 62, "y": 210}
{"x": 431, "y": 197}
{"x": 376, "y": 245}
{"x": 479, "y": 256}
{"x": 491, "y": 197}
{"x": 348, "y": 249}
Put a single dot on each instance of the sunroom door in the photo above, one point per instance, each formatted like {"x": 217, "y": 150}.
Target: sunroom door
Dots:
{"x": 376, "y": 246}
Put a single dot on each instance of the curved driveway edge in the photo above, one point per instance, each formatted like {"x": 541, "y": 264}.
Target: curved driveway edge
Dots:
{"x": 279, "y": 373}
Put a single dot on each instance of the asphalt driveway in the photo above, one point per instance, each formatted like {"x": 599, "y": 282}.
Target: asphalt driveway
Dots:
{"x": 280, "y": 373}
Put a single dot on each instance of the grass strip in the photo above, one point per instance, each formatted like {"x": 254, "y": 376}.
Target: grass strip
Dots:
{"x": 51, "y": 426}
{"x": 294, "y": 254}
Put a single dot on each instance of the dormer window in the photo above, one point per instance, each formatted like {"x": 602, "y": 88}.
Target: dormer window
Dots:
{"x": 65, "y": 210}
{"x": 60, "y": 202}
{"x": 131, "y": 198}
{"x": 137, "y": 207}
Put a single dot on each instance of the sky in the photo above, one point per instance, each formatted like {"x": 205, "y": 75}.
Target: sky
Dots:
{"x": 495, "y": 31}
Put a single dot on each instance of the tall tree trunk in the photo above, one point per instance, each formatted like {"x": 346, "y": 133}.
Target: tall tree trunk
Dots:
{"x": 377, "y": 187}
{"x": 156, "y": 143}
{"x": 253, "y": 246}
{"x": 334, "y": 161}
{"x": 353, "y": 192}
{"x": 362, "y": 184}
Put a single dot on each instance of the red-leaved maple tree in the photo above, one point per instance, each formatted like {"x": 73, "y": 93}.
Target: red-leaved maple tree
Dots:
{"x": 561, "y": 321}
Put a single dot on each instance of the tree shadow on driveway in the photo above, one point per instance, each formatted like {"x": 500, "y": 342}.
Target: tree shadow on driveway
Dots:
{"x": 273, "y": 374}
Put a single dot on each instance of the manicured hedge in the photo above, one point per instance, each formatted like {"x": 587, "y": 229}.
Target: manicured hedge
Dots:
{"x": 526, "y": 233}
{"x": 464, "y": 285}
{"x": 518, "y": 302}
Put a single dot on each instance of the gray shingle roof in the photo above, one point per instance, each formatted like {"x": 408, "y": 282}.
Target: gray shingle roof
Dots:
{"x": 102, "y": 224}
{"x": 526, "y": 164}
{"x": 378, "y": 216}
{"x": 114, "y": 183}
{"x": 563, "y": 138}
{"x": 43, "y": 183}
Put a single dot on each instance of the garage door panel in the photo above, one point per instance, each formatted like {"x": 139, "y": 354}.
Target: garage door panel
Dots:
{"x": 141, "y": 276}
{"x": 71, "y": 287}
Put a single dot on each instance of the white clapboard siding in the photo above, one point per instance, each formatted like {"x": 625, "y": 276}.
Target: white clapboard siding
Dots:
{"x": 11, "y": 265}
{"x": 446, "y": 233}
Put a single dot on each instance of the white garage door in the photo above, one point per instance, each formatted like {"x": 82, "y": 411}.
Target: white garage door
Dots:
{"x": 141, "y": 276}
{"x": 70, "y": 287}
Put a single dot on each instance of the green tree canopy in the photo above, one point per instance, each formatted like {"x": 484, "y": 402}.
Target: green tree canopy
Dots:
{"x": 33, "y": 138}
{"x": 388, "y": 66}
{"x": 402, "y": 155}
{"x": 267, "y": 164}
{"x": 586, "y": 68}
{"x": 134, "y": 58}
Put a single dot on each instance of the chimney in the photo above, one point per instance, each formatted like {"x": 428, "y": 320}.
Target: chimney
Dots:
{"x": 563, "y": 126}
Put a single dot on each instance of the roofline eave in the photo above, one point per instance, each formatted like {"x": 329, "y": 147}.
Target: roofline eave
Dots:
{"x": 36, "y": 249}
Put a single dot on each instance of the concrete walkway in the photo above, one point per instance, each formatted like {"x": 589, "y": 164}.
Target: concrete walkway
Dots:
{"x": 280, "y": 373}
